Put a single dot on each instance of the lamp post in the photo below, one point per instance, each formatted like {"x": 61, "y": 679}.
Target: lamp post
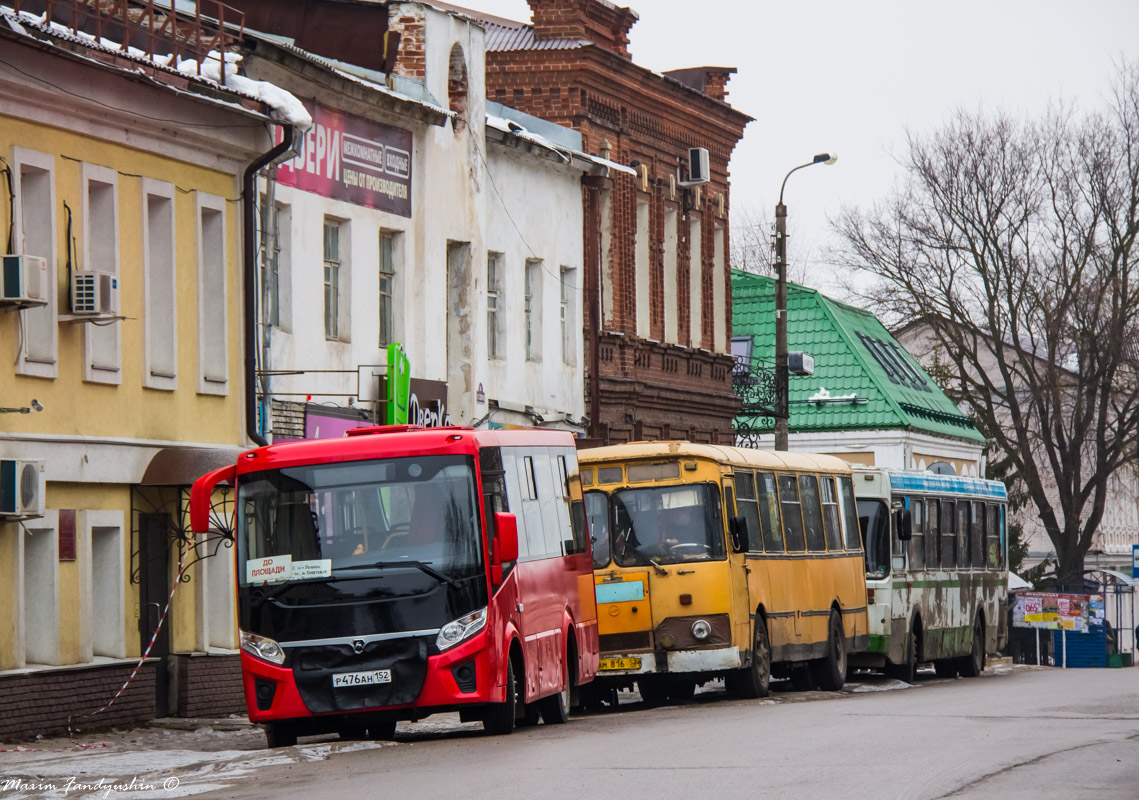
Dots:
{"x": 781, "y": 381}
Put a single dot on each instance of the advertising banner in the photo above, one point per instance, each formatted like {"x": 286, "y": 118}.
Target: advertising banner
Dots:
{"x": 1049, "y": 611}
{"x": 345, "y": 157}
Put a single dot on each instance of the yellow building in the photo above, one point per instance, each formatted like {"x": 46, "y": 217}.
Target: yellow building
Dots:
{"x": 124, "y": 165}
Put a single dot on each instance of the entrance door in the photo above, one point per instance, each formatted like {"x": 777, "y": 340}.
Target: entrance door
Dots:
{"x": 153, "y": 591}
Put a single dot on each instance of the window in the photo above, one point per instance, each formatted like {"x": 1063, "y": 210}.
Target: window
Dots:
{"x": 932, "y": 550}
{"x": 102, "y": 344}
{"x": 993, "y": 530}
{"x": 35, "y": 203}
{"x": 532, "y": 309}
{"x": 917, "y": 541}
{"x": 644, "y": 320}
{"x": 213, "y": 362}
{"x": 851, "y": 535}
{"x": 41, "y": 589}
{"x": 493, "y": 267}
{"x": 281, "y": 267}
{"x": 963, "y": 534}
{"x": 749, "y": 509}
{"x": 948, "y": 535}
{"x": 977, "y": 535}
{"x": 812, "y": 513}
{"x": 569, "y": 336}
{"x": 218, "y": 597}
{"x": 597, "y": 510}
{"x": 331, "y": 279}
{"x": 695, "y": 273}
{"x": 792, "y": 513}
{"x": 768, "y": 500}
{"x": 161, "y": 301}
{"x": 671, "y": 289}
{"x": 830, "y": 514}
{"x": 387, "y": 277}
{"x": 105, "y": 613}
{"x": 719, "y": 277}
{"x": 606, "y": 247}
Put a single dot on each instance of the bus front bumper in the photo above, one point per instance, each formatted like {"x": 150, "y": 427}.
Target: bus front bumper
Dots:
{"x": 673, "y": 661}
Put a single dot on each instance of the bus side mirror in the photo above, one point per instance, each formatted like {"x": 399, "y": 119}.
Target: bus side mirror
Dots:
{"x": 904, "y": 525}
{"x": 201, "y": 496}
{"x": 737, "y": 527}
{"x": 506, "y": 537}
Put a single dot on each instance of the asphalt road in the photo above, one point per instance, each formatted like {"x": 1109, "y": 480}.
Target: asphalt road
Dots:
{"x": 1023, "y": 733}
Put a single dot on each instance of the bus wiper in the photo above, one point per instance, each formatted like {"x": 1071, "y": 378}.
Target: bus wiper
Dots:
{"x": 661, "y": 570}
{"x": 421, "y": 565}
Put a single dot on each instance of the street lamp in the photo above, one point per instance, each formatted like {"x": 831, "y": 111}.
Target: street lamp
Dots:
{"x": 781, "y": 383}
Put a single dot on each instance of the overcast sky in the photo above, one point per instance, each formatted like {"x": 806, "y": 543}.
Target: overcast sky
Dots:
{"x": 849, "y": 77}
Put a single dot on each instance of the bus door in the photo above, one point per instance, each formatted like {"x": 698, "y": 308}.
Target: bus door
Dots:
{"x": 740, "y": 604}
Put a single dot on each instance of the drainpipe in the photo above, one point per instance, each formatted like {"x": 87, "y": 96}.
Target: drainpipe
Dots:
{"x": 248, "y": 207}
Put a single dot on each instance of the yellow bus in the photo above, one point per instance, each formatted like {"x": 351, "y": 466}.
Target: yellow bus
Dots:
{"x": 715, "y": 561}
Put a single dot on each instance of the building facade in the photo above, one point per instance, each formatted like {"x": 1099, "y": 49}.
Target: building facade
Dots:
{"x": 126, "y": 171}
{"x": 657, "y": 315}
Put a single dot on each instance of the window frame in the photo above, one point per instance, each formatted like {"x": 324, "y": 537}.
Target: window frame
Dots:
{"x": 39, "y": 162}
{"x": 386, "y": 333}
{"x": 110, "y": 335}
{"x": 494, "y": 261}
{"x": 169, "y": 321}
{"x": 213, "y": 378}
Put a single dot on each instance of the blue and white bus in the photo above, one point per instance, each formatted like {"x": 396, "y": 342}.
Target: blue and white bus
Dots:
{"x": 936, "y": 570}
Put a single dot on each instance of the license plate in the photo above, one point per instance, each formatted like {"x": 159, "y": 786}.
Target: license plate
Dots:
{"x": 361, "y": 678}
{"x": 619, "y": 663}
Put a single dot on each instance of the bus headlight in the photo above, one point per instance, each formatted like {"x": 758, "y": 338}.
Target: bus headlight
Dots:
{"x": 263, "y": 647}
{"x": 463, "y": 628}
{"x": 701, "y": 629}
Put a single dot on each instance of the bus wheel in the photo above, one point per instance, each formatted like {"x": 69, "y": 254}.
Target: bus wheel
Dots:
{"x": 382, "y": 731}
{"x": 755, "y": 680}
{"x": 907, "y": 670}
{"x": 555, "y": 708}
{"x": 499, "y": 720}
{"x": 972, "y": 665}
{"x": 830, "y": 671}
{"x": 945, "y": 667}
{"x": 653, "y": 689}
{"x": 280, "y": 734}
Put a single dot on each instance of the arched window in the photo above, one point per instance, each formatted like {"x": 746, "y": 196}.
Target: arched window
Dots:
{"x": 942, "y": 468}
{"x": 457, "y": 86}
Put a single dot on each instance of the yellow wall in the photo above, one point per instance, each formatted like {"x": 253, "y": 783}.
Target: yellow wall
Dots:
{"x": 9, "y": 564}
{"x": 72, "y": 406}
{"x": 963, "y": 467}
{"x": 862, "y": 459}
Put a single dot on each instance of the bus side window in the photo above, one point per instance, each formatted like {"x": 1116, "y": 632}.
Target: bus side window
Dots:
{"x": 767, "y": 499}
{"x": 749, "y": 509}
{"x": 597, "y": 510}
{"x": 792, "y": 513}
{"x": 993, "y": 532}
{"x": 962, "y": 534}
{"x": 812, "y": 513}
{"x": 977, "y": 535}
{"x": 948, "y": 535}
{"x": 917, "y": 542}
{"x": 851, "y": 535}
{"x": 830, "y": 514}
{"x": 932, "y": 532}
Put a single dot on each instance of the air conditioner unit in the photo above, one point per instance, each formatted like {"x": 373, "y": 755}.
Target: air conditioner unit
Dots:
{"x": 21, "y": 488}
{"x": 698, "y": 170}
{"x": 24, "y": 281}
{"x": 94, "y": 292}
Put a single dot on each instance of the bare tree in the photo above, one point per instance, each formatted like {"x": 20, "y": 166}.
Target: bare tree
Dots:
{"x": 751, "y": 248}
{"x": 1014, "y": 242}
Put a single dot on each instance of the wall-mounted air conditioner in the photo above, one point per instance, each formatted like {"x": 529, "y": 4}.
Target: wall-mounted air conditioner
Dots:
{"x": 21, "y": 488}
{"x": 94, "y": 292}
{"x": 24, "y": 281}
{"x": 698, "y": 169}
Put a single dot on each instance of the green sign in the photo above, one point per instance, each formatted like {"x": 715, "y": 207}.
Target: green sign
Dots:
{"x": 398, "y": 385}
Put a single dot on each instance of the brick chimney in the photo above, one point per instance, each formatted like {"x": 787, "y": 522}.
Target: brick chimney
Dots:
{"x": 596, "y": 21}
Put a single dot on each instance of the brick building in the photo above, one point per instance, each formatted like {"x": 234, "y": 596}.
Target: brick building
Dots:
{"x": 658, "y": 300}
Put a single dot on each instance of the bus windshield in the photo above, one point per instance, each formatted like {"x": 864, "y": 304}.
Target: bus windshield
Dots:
{"x": 666, "y": 525}
{"x": 358, "y": 519}
{"x": 874, "y": 519}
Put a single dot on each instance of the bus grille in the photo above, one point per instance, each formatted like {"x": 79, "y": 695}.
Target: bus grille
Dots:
{"x": 626, "y": 642}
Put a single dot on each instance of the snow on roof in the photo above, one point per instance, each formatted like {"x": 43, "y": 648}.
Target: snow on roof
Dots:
{"x": 284, "y": 106}
{"x": 567, "y": 154}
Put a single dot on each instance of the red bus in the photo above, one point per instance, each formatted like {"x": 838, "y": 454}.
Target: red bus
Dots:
{"x": 399, "y": 572}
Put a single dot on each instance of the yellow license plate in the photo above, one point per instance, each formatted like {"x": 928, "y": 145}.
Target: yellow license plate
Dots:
{"x": 619, "y": 663}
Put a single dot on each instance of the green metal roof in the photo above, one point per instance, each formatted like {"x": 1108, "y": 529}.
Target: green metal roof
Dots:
{"x": 854, "y": 354}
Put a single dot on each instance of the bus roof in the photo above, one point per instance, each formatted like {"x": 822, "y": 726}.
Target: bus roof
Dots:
{"x": 394, "y": 442}
{"x": 736, "y": 456}
{"x": 903, "y": 481}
